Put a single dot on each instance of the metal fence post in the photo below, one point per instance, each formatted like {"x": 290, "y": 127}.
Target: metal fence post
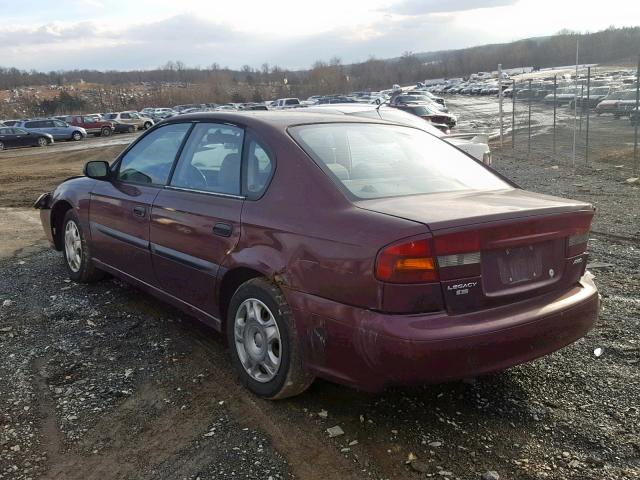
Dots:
{"x": 586, "y": 144}
{"x": 637, "y": 120}
{"x": 555, "y": 110}
{"x": 581, "y": 104}
{"x": 513, "y": 116}
{"x": 500, "y": 101}
{"x": 529, "y": 140}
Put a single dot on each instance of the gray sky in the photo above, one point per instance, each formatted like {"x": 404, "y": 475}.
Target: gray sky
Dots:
{"x": 143, "y": 34}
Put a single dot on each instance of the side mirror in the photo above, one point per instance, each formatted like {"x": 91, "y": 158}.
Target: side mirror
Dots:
{"x": 97, "y": 169}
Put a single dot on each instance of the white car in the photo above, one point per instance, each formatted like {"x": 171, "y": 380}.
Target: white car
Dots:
{"x": 473, "y": 144}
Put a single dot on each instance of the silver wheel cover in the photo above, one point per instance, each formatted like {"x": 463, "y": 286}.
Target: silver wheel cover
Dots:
{"x": 257, "y": 340}
{"x": 73, "y": 246}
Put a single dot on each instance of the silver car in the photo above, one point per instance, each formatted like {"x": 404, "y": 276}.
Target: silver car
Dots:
{"x": 58, "y": 129}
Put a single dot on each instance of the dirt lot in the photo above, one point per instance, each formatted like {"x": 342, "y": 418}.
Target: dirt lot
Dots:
{"x": 101, "y": 381}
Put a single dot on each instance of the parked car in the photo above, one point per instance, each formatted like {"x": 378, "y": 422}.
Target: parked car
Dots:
{"x": 473, "y": 144}
{"x": 564, "y": 96}
{"x": 91, "y": 124}
{"x": 406, "y": 99}
{"x": 11, "y": 137}
{"x": 423, "y": 110}
{"x": 609, "y": 104}
{"x": 364, "y": 252}
{"x": 131, "y": 119}
{"x": 58, "y": 129}
{"x": 285, "y": 103}
{"x": 595, "y": 96}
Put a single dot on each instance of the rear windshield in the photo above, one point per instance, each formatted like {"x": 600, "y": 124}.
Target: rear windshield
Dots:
{"x": 376, "y": 161}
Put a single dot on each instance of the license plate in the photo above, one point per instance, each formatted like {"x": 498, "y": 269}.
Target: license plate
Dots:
{"x": 521, "y": 264}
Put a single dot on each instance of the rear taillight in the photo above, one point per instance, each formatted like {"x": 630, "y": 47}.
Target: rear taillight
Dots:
{"x": 407, "y": 262}
{"x": 577, "y": 244}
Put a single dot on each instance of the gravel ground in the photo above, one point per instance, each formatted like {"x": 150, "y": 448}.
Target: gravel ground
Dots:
{"x": 101, "y": 381}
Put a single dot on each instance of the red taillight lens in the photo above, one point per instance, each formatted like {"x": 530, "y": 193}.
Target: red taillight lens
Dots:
{"x": 407, "y": 262}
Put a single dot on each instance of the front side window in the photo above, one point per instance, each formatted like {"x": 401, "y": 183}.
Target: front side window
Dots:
{"x": 211, "y": 159}
{"x": 59, "y": 123}
{"x": 125, "y": 116}
{"x": 376, "y": 161}
{"x": 150, "y": 160}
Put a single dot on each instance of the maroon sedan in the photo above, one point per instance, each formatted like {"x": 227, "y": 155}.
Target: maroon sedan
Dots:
{"x": 356, "y": 250}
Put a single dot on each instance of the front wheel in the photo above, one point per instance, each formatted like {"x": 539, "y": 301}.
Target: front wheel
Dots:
{"x": 43, "y": 142}
{"x": 77, "y": 252}
{"x": 263, "y": 341}
{"x": 1, "y": 146}
{"x": 131, "y": 129}
{"x": 147, "y": 125}
{"x": 76, "y": 136}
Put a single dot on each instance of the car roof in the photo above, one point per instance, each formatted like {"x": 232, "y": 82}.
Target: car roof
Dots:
{"x": 274, "y": 119}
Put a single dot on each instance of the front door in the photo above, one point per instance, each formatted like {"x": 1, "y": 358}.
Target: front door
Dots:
{"x": 120, "y": 209}
{"x": 8, "y": 138}
{"x": 195, "y": 221}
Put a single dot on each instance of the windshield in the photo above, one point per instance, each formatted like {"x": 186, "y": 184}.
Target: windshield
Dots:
{"x": 376, "y": 161}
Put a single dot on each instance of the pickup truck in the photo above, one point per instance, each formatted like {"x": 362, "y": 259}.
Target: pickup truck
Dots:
{"x": 91, "y": 124}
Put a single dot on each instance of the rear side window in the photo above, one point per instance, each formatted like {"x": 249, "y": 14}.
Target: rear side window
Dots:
{"x": 376, "y": 161}
{"x": 259, "y": 168}
{"x": 211, "y": 160}
{"x": 150, "y": 160}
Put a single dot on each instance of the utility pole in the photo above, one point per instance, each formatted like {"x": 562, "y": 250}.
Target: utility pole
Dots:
{"x": 575, "y": 107}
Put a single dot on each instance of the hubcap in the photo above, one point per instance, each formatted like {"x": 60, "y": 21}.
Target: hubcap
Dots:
{"x": 72, "y": 246}
{"x": 257, "y": 340}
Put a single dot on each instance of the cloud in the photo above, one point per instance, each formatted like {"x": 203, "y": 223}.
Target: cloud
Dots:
{"x": 424, "y": 7}
{"x": 198, "y": 41}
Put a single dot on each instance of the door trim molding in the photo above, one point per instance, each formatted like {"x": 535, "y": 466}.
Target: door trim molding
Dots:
{"x": 185, "y": 259}
{"x": 118, "y": 235}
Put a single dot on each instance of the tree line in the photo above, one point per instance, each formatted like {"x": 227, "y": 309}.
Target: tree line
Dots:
{"x": 175, "y": 82}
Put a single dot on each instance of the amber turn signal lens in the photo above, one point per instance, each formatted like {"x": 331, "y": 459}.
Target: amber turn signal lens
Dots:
{"x": 415, "y": 264}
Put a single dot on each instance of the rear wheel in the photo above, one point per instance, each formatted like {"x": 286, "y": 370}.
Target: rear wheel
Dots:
{"x": 76, "y": 136}
{"x": 131, "y": 129}
{"x": 263, "y": 341}
{"x": 77, "y": 252}
{"x": 42, "y": 142}
{"x": 105, "y": 132}
{"x": 1, "y": 146}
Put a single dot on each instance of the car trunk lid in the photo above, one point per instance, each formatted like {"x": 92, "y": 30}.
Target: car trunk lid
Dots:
{"x": 500, "y": 246}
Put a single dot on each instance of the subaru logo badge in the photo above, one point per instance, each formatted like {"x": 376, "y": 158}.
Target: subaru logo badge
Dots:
{"x": 551, "y": 272}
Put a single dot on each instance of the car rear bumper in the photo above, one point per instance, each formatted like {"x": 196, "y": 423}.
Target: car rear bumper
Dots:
{"x": 371, "y": 350}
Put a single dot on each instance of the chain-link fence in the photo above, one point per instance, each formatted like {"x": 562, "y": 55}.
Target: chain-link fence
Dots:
{"x": 589, "y": 117}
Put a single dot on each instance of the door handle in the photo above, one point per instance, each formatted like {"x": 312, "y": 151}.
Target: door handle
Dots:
{"x": 139, "y": 211}
{"x": 223, "y": 229}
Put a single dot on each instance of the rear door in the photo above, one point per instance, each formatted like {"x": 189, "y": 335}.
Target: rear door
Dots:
{"x": 195, "y": 221}
{"x": 120, "y": 209}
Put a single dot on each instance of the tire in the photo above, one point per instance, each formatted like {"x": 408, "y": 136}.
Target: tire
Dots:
{"x": 131, "y": 129}
{"x": 252, "y": 349}
{"x": 1, "y": 146}
{"x": 42, "y": 142}
{"x": 105, "y": 132}
{"x": 76, "y": 136}
{"x": 147, "y": 125}
{"x": 77, "y": 252}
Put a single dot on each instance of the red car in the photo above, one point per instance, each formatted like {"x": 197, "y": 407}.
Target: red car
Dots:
{"x": 360, "y": 251}
{"x": 92, "y": 124}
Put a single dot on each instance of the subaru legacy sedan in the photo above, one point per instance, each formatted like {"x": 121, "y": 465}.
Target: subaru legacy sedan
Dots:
{"x": 356, "y": 250}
